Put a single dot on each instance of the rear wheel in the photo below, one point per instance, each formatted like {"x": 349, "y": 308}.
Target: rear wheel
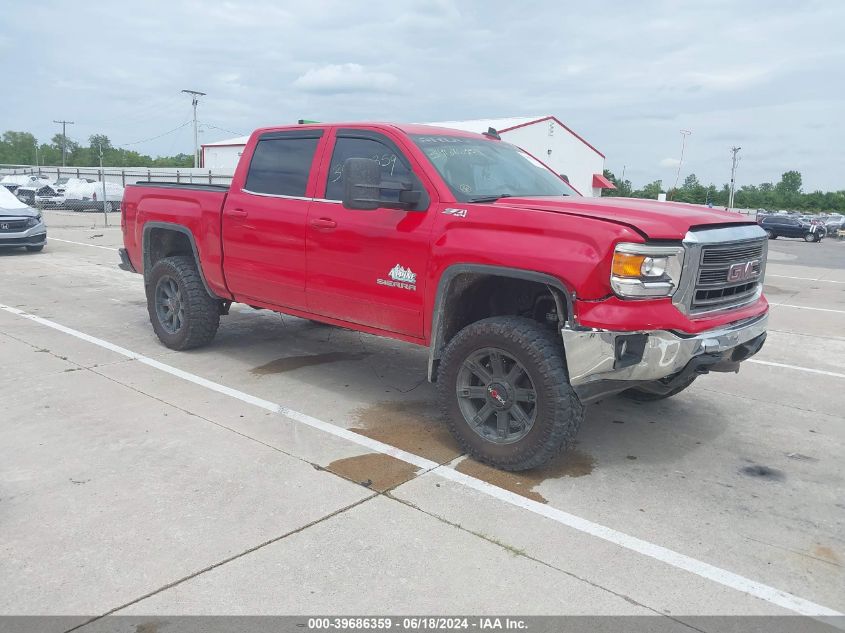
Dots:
{"x": 182, "y": 312}
{"x": 505, "y": 393}
{"x": 642, "y": 394}
{"x": 771, "y": 235}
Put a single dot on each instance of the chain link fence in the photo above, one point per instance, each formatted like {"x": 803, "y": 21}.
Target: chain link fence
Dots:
{"x": 101, "y": 189}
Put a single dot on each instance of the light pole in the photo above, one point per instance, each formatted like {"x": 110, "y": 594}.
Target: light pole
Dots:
{"x": 195, "y": 95}
{"x": 103, "y": 179}
{"x": 734, "y": 152}
{"x": 684, "y": 135}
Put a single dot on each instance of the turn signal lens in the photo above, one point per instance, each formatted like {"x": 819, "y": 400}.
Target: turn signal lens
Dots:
{"x": 627, "y": 264}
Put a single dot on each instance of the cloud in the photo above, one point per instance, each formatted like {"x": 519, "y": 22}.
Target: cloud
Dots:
{"x": 760, "y": 80}
{"x": 670, "y": 162}
{"x": 345, "y": 78}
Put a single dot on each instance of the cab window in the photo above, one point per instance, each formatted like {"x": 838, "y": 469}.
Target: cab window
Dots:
{"x": 393, "y": 167}
{"x": 280, "y": 166}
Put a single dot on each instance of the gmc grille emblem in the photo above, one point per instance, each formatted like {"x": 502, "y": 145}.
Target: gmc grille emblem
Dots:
{"x": 743, "y": 271}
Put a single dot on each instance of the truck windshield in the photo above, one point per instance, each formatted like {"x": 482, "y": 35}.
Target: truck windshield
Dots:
{"x": 479, "y": 170}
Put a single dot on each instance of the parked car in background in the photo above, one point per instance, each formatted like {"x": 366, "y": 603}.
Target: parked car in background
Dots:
{"x": 49, "y": 196}
{"x": 87, "y": 196}
{"x": 789, "y": 226}
{"x": 21, "y": 226}
{"x": 834, "y": 223}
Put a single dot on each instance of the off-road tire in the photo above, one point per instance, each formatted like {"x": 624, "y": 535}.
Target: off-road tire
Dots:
{"x": 538, "y": 349}
{"x": 35, "y": 249}
{"x": 201, "y": 310}
{"x": 643, "y": 395}
{"x": 771, "y": 235}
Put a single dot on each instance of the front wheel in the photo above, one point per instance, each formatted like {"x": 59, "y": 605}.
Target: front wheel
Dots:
{"x": 505, "y": 393}
{"x": 770, "y": 234}
{"x": 811, "y": 237}
{"x": 182, "y": 312}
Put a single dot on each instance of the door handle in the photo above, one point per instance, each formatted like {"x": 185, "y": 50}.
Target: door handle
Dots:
{"x": 323, "y": 223}
{"x": 236, "y": 213}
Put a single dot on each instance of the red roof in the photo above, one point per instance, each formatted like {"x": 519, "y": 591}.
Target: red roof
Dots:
{"x": 600, "y": 182}
{"x": 558, "y": 121}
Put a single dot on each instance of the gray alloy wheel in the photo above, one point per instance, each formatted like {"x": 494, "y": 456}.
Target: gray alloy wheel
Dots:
{"x": 169, "y": 304}
{"x": 496, "y": 396}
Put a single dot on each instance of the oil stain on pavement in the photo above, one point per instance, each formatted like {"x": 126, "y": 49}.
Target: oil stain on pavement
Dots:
{"x": 763, "y": 472}
{"x": 375, "y": 471}
{"x": 413, "y": 426}
{"x": 290, "y": 363}
{"x": 569, "y": 464}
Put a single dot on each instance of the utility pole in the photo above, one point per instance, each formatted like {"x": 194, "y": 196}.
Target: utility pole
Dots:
{"x": 684, "y": 135}
{"x": 195, "y": 95}
{"x": 734, "y": 152}
{"x": 37, "y": 168}
{"x": 103, "y": 180}
{"x": 64, "y": 137}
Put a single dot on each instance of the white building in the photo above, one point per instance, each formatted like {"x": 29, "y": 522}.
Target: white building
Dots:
{"x": 545, "y": 137}
{"x": 549, "y": 140}
{"x": 223, "y": 154}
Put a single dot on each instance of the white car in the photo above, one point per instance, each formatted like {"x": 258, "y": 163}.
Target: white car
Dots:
{"x": 21, "y": 226}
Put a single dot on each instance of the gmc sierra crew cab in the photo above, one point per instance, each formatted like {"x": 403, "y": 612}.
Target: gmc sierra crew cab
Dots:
{"x": 533, "y": 300}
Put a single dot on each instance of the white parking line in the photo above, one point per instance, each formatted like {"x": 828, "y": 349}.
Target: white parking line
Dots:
{"x": 828, "y": 281}
{"x": 679, "y": 561}
{"x": 56, "y": 239}
{"x": 787, "y": 305}
{"x": 796, "y": 367}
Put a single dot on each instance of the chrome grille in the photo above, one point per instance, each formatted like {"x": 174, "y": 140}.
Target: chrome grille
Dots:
{"x": 714, "y": 288}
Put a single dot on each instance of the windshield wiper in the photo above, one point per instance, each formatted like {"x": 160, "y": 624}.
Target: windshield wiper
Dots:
{"x": 491, "y": 198}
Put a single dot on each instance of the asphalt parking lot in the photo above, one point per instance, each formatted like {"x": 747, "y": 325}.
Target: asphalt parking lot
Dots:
{"x": 292, "y": 468}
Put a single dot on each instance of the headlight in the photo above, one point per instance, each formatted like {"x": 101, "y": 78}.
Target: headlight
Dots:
{"x": 643, "y": 271}
{"x": 33, "y": 222}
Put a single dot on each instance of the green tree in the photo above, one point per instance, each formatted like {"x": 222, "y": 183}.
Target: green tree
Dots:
{"x": 623, "y": 187}
{"x": 96, "y": 141}
{"x": 651, "y": 190}
{"x": 790, "y": 182}
{"x": 17, "y": 148}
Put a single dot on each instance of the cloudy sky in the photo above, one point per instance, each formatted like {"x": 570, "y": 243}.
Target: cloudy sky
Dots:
{"x": 767, "y": 75}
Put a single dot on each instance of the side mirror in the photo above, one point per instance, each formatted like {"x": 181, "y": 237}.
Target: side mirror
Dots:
{"x": 361, "y": 180}
{"x": 363, "y": 188}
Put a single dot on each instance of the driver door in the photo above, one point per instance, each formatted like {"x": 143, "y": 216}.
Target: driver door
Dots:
{"x": 368, "y": 267}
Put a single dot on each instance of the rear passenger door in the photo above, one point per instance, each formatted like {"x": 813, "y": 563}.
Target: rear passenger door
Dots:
{"x": 264, "y": 221}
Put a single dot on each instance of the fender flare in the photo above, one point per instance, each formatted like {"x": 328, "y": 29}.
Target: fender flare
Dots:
{"x": 563, "y": 295}
{"x": 171, "y": 226}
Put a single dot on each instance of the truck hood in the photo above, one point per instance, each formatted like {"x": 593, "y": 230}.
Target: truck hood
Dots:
{"x": 657, "y": 220}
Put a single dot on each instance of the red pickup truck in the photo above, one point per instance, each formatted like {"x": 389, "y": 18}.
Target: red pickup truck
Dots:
{"x": 532, "y": 299}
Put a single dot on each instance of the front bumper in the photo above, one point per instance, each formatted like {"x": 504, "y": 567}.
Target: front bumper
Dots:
{"x": 35, "y": 236}
{"x": 603, "y": 362}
